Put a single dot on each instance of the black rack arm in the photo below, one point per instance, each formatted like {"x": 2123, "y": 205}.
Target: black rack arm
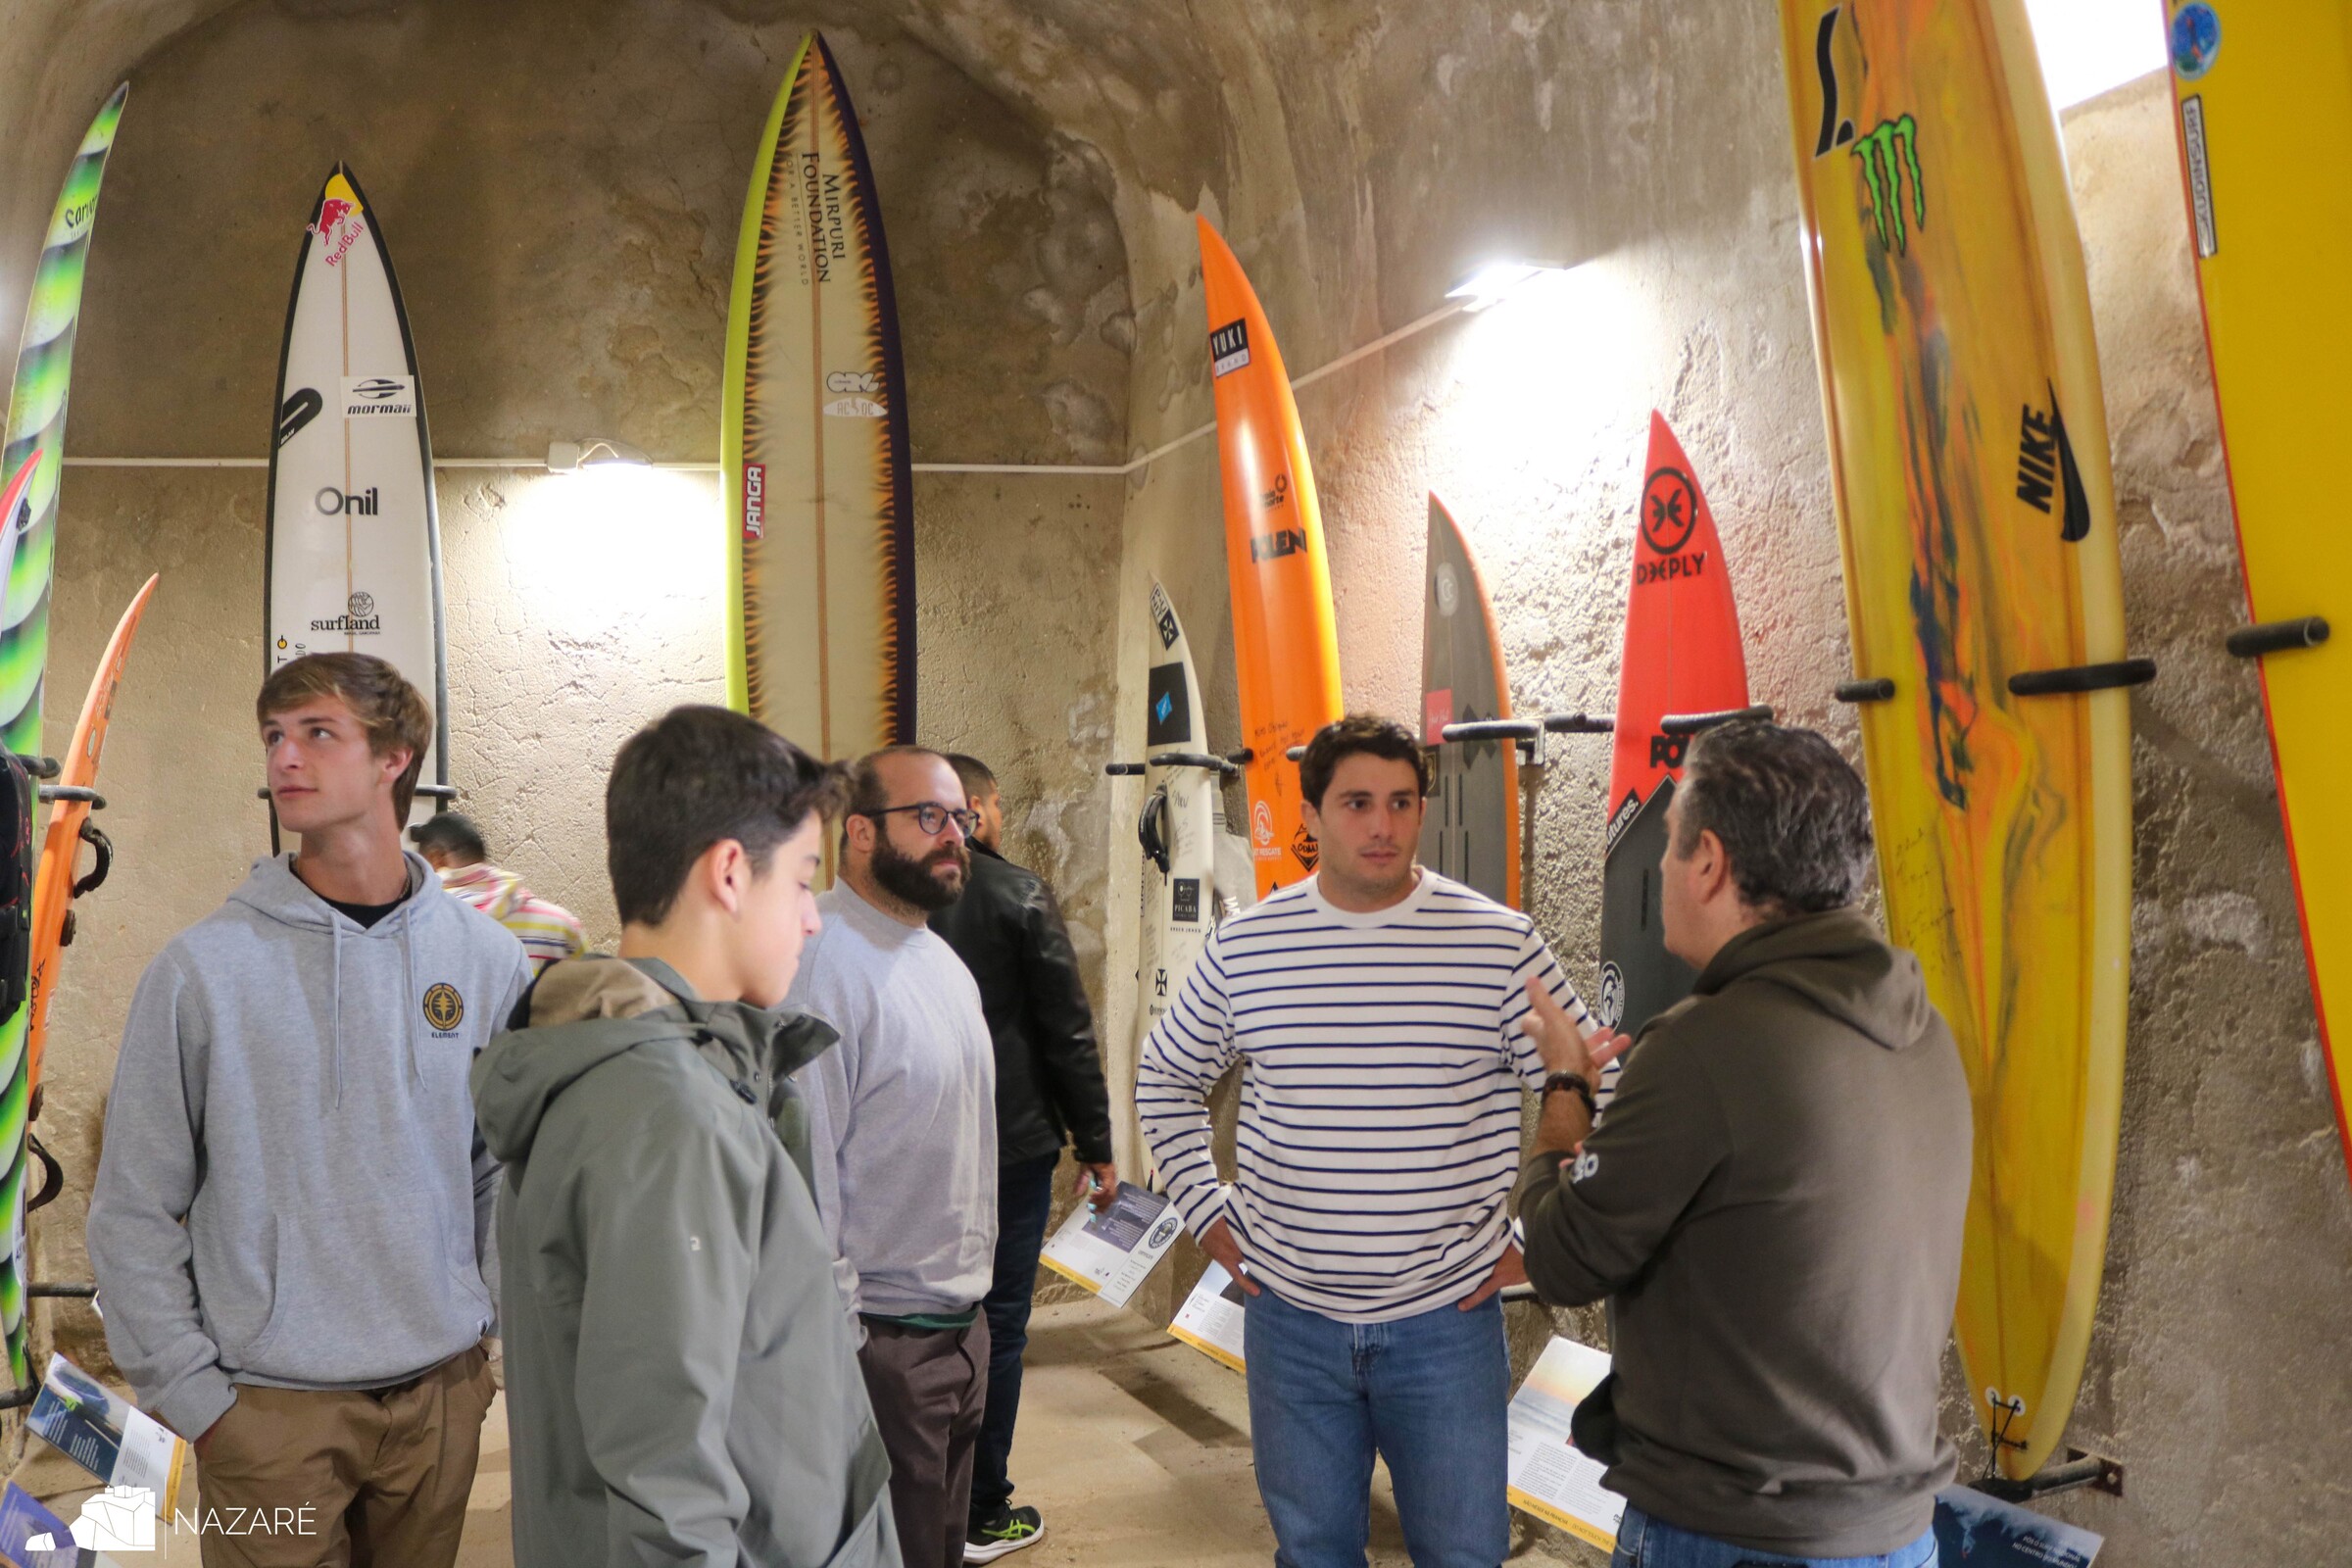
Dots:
{"x": 1296, "y": 753}
{"x": 1692, "y": 723}
{"x": 1123, "y": 769}
{"x": 2077, "y": 1469}
{"x": 74, "y": 792}
{"x": 1579, "y": 724}
{"x": 2076, "y": 679}
{"x": 2278, "y": 637}
{"x": 438, "y": 791}
{"x": 39, "y": 766}
{"x": 1200, "y": 760}
{"x": 1881, "y": 690}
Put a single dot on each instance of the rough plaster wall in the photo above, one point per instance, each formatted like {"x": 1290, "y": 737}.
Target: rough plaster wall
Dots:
{"x": 1361, "y": 160}
{"x": 565, "y": 238}
{"x": 1655, "y": 142}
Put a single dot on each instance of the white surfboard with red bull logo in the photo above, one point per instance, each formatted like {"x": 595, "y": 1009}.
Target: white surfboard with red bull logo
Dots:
{"x": 354, "y": 538}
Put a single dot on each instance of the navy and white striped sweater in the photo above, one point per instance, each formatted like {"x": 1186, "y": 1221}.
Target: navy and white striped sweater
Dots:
{"x": 1380, "y": 1092}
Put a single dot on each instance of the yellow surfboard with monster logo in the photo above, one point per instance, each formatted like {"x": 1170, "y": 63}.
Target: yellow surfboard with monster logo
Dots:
{"x": 1984, "y": 594}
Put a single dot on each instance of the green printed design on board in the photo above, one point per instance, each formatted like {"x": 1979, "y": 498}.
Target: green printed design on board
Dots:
{"x": 1886, "y": 155}
{"x": 36, "y": 418}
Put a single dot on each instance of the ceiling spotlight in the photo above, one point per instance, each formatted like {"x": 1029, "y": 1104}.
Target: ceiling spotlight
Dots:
{"x": 573, "y": 457}
{"x": 1496, "y": 281}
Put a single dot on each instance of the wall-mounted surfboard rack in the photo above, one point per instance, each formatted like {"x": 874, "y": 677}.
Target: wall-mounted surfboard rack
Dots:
{"x": 1881, "y": 690}
{"x": 1692, "y": 723}
{"x": 1527, "y": 733}
{"x": 1200, "y": 759}
{"x": 2277, "y": 637}
{"x": 2075, "y": 679}
{"x": 2076, "y": 1470}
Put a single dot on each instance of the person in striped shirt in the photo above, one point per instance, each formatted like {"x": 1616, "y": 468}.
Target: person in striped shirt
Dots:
{"x": 453, "y": 848}
{"x": 1375, "y": 1008}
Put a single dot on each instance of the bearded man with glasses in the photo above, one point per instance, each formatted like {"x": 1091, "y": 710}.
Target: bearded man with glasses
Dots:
{"x": 903, "y": 1134}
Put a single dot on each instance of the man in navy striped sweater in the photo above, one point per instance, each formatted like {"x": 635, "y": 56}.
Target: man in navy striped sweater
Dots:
{"x": 1376, "y": 1009}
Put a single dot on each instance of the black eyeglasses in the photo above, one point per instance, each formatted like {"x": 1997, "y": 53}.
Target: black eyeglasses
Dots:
{"x": 931, "y": 818}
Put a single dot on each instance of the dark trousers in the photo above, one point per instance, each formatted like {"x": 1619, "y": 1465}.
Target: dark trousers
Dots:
{"x": 926, "y": 1387}
{"x": 1024, "y": 1202}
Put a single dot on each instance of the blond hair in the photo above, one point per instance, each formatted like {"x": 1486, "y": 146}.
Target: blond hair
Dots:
{"x": 392, "y": 712}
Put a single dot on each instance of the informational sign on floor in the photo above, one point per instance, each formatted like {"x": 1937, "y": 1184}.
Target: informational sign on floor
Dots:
{"x": 1986, "y": 1533}
{"x": 106, "y": 1434}
{"x": 1549, "y": 1477}
{"x": 1210, "y": 1319}
{"x": 1115, "y": 1251}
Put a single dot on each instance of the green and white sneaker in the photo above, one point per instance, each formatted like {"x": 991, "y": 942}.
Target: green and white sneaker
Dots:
{"x": 1005, "y": 1530}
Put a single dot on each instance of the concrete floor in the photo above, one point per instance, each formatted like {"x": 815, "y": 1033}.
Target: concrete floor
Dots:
{"x": 1134, "y": 1448}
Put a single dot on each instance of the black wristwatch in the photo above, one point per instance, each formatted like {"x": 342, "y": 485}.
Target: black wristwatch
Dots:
{"x": 1575, "y": 1084}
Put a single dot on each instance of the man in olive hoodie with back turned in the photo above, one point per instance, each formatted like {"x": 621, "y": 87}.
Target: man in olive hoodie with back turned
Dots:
{"x": 1774, "y": 1200}
{"x": 682, "y": 1381}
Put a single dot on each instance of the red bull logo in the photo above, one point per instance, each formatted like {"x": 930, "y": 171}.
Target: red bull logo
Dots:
{"x": 336, "y": 211}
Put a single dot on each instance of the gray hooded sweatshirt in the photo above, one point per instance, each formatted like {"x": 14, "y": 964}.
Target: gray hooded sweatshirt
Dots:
{"x": 291, "y": 1193}
{"x": 682, "y": 1381}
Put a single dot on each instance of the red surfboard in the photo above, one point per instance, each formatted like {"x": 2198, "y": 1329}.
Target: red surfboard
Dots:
{"x": 1681, "y": 655}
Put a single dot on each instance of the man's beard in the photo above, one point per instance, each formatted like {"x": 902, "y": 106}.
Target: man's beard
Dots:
{"x": 917, "y": 880}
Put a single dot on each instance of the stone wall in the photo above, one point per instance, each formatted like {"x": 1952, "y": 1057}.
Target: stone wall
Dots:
{"x": 563, "y": 228}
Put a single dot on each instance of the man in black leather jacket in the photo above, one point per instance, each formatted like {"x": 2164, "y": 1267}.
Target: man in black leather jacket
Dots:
{"x": 1009, "y": 931}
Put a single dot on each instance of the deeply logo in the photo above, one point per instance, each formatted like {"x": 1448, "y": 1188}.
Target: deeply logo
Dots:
{"x": 444, "y": 1008}
{"x": 1669, "y": 510}
{"x": 755, "y": 500}
{"x": 1304, "y": 847}
{"x": 1886, "y": 155}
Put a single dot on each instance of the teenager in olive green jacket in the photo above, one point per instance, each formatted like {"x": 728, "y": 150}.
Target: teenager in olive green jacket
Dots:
{"x": 682, "y": 1380}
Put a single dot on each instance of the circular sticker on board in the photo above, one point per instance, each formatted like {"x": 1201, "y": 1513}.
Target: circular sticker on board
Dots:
{"x": 1669, "y": 510}
{"x": 1609, "y": 1006}
{"x": 2195, "y": 37}
{"x": 1449, "y": 589}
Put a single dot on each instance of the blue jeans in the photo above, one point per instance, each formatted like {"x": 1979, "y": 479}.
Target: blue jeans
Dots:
{"x": 1428, "y": 1394}
{"x": 1643, "y": 1541}
{"x": 1024, "y": 1202}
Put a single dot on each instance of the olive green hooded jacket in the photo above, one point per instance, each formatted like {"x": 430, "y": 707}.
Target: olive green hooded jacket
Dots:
{"x": 682, "y": 1381}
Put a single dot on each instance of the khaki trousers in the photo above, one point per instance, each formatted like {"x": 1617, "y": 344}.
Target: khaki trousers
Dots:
{"x": 383, "y": 1475}
{"x": 929, "y": 1387}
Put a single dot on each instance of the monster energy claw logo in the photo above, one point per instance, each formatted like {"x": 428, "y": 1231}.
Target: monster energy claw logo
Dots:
{"x": 1886, "y": 154}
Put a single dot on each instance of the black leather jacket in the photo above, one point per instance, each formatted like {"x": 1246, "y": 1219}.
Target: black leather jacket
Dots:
{"x": 1009, "y": 931}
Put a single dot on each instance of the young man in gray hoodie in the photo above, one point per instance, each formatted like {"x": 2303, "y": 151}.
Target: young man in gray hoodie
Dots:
{"x": 1773, "y": 1201}
{"x": 682, "y": 1383}
{"x": 290, "y": 1224}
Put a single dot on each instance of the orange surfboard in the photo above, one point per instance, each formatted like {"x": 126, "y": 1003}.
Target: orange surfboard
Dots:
{"x": 53, "y": 883}
{"x": 1285, "y": 645}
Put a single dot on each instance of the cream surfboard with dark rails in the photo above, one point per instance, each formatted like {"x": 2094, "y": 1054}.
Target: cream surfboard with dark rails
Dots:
{"x": 819, "y": 496}
{"x": 353, "y": 534}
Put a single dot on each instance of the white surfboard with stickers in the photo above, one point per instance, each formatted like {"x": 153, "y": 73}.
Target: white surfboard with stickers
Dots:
{"x": 354, "y": 538}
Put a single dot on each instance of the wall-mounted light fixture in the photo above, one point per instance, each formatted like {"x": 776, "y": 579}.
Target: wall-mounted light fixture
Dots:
{"x": 1497, "y": 282}
{"x": 578, "y": 457}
